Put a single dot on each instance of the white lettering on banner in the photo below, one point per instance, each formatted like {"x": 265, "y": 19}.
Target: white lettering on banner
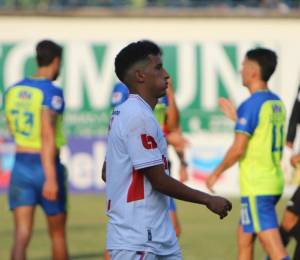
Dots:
{"x": 186, "y": 87}
{"x": 81, "y": 171}
{"x": 215, "y": 63}
{"x": 84, "y": 169}
{"x": 15, "y": 61}
{"x": 81, "y": 67}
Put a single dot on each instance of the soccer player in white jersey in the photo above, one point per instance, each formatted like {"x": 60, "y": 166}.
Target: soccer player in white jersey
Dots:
{"x": 136, "y": 169}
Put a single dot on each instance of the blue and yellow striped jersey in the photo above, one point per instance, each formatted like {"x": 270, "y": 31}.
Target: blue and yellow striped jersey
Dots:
{"x": 23, "y": 103}
{"x": 262, "y": 117}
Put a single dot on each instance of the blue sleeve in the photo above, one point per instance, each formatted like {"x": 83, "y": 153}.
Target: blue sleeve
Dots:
{"x": 247, "y": 119}
{"x": 54, "y": 100}
{"x": 119, "y": 95}
{"x": 163, "y": 100}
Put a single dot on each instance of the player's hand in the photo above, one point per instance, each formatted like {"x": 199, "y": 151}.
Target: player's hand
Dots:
{"x": 210, "y": 181}
{"x": 228, "y": 109}
{"x": 183, "y": 174}
{"x": 219, "y": 206}
{"x": 177, "y": 140}
{"x": 295, "y": 160}
{"x": 50, "y": 190}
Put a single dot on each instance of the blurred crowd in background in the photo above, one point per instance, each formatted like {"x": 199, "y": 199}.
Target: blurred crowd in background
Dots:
{"x": 65, "y": 4}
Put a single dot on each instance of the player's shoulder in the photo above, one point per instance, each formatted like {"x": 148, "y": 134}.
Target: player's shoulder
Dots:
{"x": 257, "y": 99}
{"x": 134, "y": 111}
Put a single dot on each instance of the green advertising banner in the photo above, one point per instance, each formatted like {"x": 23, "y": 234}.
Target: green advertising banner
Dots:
{"x": 87, "y": 77}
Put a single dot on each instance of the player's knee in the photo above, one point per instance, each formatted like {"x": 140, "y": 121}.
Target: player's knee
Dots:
{"x": 245, "y": 243}
{"x": 23, "y": 236}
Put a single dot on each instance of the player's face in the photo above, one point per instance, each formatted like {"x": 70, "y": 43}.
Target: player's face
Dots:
{"x": 156, "y": 77}
{"x": 249, "y": 71}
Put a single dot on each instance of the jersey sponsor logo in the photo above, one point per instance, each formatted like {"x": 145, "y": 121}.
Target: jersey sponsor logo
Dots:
{"x": 148, "y": 141}
{"x": 24, "y": 95}
{"x": 276, "y": 108}
{"x": 57, "y": 102}
{"x": 242, "y": 121}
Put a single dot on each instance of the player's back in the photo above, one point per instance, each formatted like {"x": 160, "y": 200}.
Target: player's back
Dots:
{"x": 138, "y": 214}
{"x": 23, "y": 109}
{"x": 261, "y": 173}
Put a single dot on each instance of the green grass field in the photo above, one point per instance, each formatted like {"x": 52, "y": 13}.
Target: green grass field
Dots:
{"x": 204, "y": 236}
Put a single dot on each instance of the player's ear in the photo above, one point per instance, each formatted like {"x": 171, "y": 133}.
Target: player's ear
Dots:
{"x": 139, "y": 75}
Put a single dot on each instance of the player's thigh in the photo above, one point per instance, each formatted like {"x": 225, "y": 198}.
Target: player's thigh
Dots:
{"x": 22, "y": 188}
{"x": 131, "y": 255}
{"x": 272, "y": 243}
{"x": 52, "y": 208}
{"x": 258, "y": 213}
{"x": 57, "y": 223}
{"x": 23, "y": 219}
{"x": 244, "y": 239}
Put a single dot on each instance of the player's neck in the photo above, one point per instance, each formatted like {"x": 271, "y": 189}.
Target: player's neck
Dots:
{"x": 44, "y": 72}
{"x": 258, "y": 86}
{"x": 151, "y": 101}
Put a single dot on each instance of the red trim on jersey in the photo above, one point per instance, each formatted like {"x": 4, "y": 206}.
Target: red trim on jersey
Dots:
{"x": 136, "y": 188}
{"x": 142, "y": 255}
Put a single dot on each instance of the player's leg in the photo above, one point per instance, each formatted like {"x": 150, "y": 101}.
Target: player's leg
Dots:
{"x": 245, "y": 243}
{"x": 266, "y": 225}
{"x": 106, "y": 255}
{"x": 23, "y": 222}
{"x": 57, "y": 232}
{"x": 57, "y": 216}
{"x": 22, "y": 200}
{"x": 173, "y": 216}
{"x": 272, "y": 243}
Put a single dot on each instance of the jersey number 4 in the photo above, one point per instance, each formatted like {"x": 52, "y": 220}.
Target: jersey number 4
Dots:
{"x": 148, "y": 141}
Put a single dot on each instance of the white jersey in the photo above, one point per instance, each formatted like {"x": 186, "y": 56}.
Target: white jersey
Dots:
{"x": 138, "y": 214}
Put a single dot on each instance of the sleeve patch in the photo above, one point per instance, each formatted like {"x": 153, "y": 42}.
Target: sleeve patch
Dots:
{"x": 57, "y": 102}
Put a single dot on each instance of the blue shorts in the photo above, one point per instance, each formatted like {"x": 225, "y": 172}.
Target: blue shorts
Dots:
{"x": 26, "y": 184}
{"x": 258, "y": 213}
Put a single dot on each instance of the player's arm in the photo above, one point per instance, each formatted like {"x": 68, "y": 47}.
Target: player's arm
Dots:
{"x": 228, "y": 109}
{"x": 173, "y": 188}
{"x": 49, "y": 153}
{"x": 172, "y": 109}
{"x": 235, "y": 152}
{"x": 295, "y": 160}
{"x": 294, "y": 120}
{"x": 103, "y": 175}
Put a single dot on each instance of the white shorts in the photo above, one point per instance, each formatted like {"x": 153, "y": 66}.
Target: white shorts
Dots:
{"x": 133, "y": 255}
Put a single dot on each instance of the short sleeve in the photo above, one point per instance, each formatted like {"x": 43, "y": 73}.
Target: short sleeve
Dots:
{"x": 119, "y": 95}
{"x": 142, "y": 141}
{"x": 54, "y": 100}
{"x": 247, "y": 119}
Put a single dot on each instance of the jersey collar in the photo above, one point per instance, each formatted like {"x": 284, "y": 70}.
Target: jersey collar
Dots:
{"x": 138, "y": 97}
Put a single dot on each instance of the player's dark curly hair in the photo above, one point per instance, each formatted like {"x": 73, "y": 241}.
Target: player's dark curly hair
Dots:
{"x": 46, "y": 51}
{"x": 132, "y": 53}
{"x": 266, "y": 59}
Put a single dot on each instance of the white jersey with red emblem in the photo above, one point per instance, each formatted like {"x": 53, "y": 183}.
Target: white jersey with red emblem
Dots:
{"x": 138, "y": 214}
